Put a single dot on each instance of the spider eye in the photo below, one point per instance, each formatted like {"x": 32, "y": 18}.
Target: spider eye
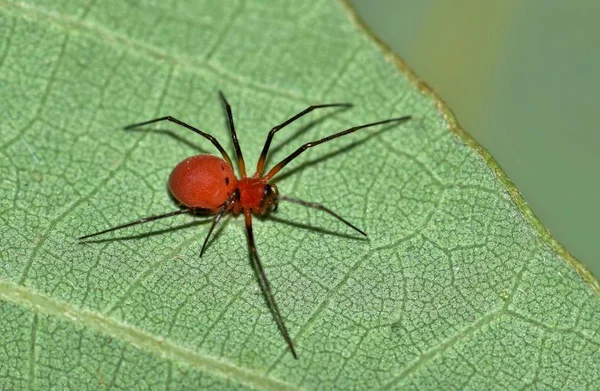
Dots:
{"x": 268, "y": 191}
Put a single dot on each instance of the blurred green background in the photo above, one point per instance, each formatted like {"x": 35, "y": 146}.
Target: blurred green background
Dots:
{"x": 522, "y": 79}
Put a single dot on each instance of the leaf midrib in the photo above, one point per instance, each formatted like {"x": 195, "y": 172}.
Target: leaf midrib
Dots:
{"x": 38, "y": 303}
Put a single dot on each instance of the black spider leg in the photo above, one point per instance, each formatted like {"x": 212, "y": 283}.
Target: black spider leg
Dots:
{"x": 236, "y": 143}
{"x": 304, "y": 147}
{"x": 324, "y": 209}
{"x": 263, "y": 155}
{"x": 264, "y": 283}
{"x": 144, "y": 220}
{"x": 210, "y": 138}
{"x": 220, "y": 214}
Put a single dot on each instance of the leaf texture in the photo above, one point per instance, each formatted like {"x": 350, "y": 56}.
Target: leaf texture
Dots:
{"x": 458, "y": 286}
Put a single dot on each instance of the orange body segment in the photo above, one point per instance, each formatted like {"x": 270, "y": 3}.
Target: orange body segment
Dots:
{"x": 202, "y": 181}
{"x": 252, "y": 194}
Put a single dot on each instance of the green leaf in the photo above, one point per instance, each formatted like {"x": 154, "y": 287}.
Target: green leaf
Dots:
{"x": 458, "y": 286}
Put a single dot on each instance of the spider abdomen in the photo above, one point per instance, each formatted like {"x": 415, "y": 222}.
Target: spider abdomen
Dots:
{"x": 202, "y": 181}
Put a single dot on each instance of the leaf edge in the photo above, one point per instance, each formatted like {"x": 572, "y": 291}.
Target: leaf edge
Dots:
{"x": 515, "y": 195}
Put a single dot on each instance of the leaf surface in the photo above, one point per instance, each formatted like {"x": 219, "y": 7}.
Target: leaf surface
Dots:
{"x": 458, "y": 286}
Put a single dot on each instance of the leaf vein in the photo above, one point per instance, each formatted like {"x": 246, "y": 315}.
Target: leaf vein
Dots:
{"x": 132, "y": 336}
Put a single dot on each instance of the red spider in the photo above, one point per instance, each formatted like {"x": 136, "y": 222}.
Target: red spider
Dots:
{"x": 206, "y": 184}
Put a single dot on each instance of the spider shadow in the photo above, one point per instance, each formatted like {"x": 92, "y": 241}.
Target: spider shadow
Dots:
{"x": 218, "y": 230}
{"x": 312, "y": 228}
{"x": 293, "y": 136}
{"x": 148, "y": 234}
{"x": 279, "y": 319}
{"x": 171, "y": 134}
{"x": 330, "y": 155}
{"x": 265, "y": 296}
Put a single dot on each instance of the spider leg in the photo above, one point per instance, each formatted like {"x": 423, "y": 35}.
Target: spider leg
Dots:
{"x": 263, "y": 155}
{"x": 324, "y": 209}
{"x": 212, "y": 139}
{"x": 141, "y": 221}
{"x": 264, "y": 282}
{"x": 236, "y": 143}
{"x": 311, "y": 144}
{"x": 220, "y": 214}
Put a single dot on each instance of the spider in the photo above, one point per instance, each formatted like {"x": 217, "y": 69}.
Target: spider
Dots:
{"x": 206, "y": 184}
